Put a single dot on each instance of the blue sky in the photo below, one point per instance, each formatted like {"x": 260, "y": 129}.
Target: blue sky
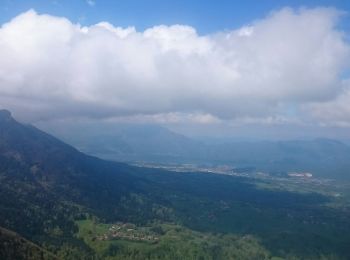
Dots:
{"x": 206, "y": 16}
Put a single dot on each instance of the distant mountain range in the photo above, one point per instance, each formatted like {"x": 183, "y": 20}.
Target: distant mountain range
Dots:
{"x": 150, "y": 143}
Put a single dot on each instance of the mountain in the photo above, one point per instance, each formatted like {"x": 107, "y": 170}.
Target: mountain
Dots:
{"x": 66, "y": 202}
{"x": 13, "y": 246}
{"x": 150, "y": 143}
{"x": 129, "y": 142}
{"x": 323, "y": 157}
{"x": 46, "y": 184}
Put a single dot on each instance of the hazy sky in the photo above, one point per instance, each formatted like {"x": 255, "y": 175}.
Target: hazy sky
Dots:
{"x": 197, "y": 67}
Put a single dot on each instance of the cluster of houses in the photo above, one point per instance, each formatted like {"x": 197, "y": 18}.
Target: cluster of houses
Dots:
{"x": 128, "y": 232}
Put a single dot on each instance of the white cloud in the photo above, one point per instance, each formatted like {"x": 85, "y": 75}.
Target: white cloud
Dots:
{"x": 91, "y": 2}
{"x": 335, "y": 112}
{"x": 168, "y": 118}
{"x": 50, "y": 67}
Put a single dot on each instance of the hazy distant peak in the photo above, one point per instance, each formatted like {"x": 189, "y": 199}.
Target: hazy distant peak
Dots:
{"x": 5, "y": 114}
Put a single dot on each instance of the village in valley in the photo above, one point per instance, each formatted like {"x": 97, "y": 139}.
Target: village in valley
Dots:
{"x": 128, "y": 231}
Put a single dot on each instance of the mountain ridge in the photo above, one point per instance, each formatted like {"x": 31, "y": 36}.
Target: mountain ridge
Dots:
{"x": 325, "y": 158}
{"x": 13, "y": 246}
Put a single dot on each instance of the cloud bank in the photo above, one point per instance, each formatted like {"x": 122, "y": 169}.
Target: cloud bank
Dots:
{"x": 281, "y": 66}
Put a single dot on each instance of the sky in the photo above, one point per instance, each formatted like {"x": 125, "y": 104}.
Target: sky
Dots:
{"x": 276, "y": 69}
{"x": 207, "y": 16}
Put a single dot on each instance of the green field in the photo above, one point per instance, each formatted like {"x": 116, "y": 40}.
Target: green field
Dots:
{"x": 175, "y": 242}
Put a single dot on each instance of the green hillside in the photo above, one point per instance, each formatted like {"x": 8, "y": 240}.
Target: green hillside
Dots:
{"x": 13, "y": 246}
